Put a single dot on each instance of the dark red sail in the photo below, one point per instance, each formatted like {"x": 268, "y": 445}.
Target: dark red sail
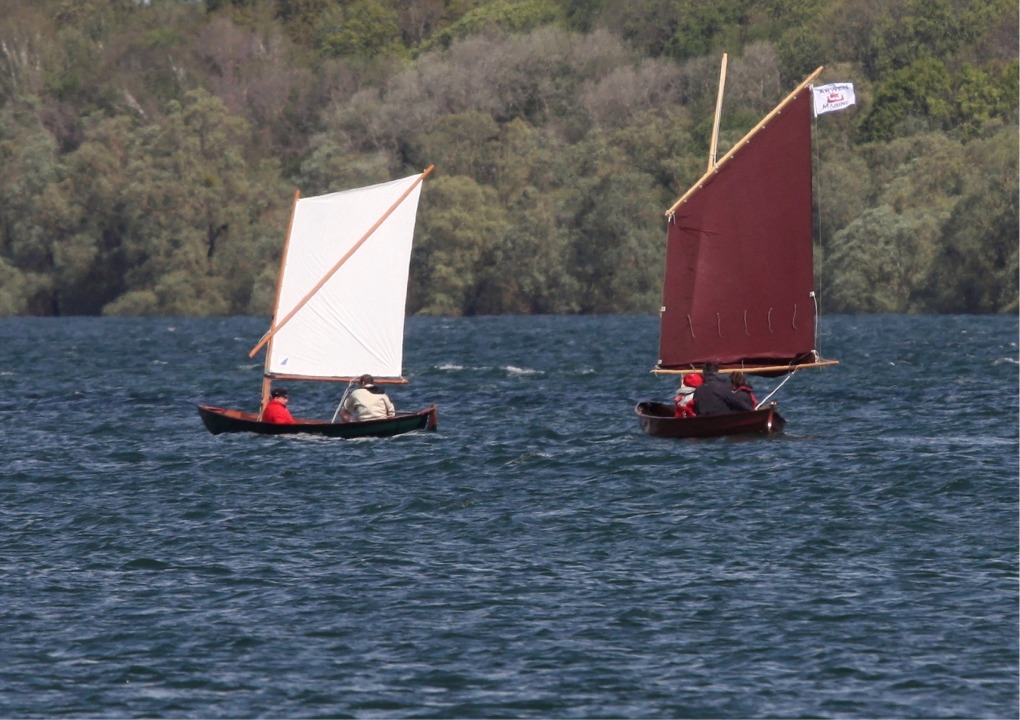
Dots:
{"x": 738, "y": 286}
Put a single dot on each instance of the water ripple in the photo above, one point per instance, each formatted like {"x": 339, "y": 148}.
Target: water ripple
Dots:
{"x": 537, "y": 557}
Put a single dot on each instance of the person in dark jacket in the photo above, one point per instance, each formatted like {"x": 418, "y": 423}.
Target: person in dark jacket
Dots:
{"x": 716, "y": 396}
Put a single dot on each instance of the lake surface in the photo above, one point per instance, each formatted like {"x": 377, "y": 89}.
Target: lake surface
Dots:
{"x": 537, "y": 557}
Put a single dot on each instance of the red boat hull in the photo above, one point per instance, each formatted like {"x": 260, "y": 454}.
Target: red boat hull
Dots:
{"x": 221, "y": 420}
{"x": 657, "y": 419}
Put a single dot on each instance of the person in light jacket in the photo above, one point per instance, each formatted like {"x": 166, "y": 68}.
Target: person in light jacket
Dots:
{"x": 367, "y": 402}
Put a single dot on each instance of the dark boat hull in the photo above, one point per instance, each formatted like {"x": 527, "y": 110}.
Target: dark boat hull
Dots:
{"x": 221, "y": 420}
{"x": 657, "y": 419}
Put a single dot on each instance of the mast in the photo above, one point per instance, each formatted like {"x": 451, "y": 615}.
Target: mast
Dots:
{"x": 713, "y": 146}
{"x": 267, "y": 381}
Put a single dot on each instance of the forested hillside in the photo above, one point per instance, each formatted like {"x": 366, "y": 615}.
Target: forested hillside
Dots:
{"x": 150, "y": 150}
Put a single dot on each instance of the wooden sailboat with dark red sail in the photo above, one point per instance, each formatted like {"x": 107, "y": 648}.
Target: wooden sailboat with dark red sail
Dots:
{"x": 339, "y": 311}
{"x": 738, "y": 289}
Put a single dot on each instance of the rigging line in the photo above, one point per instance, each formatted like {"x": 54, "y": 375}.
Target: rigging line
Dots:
{"x": 814, "y": 297}
{"x": 816, "y": 189}
{"x": 342, "y": 398}
{"x": 766, "y": 398}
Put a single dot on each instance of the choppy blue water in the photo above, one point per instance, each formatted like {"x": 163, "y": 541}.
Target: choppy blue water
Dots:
{"x": 537, "y": 557}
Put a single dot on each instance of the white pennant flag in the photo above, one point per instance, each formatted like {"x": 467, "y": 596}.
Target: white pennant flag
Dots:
{"x": 835, "y": 96}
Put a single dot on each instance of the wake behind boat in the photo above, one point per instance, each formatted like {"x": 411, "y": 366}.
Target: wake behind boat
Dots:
{"x": 738, "y": 289}
{"x": 339, "y": 310}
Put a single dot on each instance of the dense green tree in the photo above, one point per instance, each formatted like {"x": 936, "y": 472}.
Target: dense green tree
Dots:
{"x": 943, "y": 235}
{"x": 463, "y": 221}
{"x": 914, "y": 99}
{"x": 17, "y": 288}
{"x": 615, "y": 259}
{"x": 192, "y": 243}
{"x": 95, "y": 184}
{"x": 30, "y": 229}
{"x": 709, "y": 27}
{"x": 469, "y": 142}
{"x": 975, "y": 269}
{"x": 915, "y": 30}
{"x": 615, "y": 228}
{"x": 874, "y": 262}
{"x": 331, "y": 168}
{"x": 151, "y": 150}
{"x": 984, "y": 98}
{"x": 361, "y": 28}
{"x": 497, "y": 17}
{"x": 522, "y": 271}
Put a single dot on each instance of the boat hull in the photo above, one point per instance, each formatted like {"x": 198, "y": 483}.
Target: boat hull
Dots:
{"x": 221, "y": 420}
{"x": 657, "y": 420}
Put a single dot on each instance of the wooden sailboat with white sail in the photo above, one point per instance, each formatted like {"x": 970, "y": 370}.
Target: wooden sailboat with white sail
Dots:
{"x": 738, "y": 289}
{"x": 339, "y": 311}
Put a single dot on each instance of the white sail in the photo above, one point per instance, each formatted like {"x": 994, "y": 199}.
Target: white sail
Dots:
{"x": 354, "y": 323}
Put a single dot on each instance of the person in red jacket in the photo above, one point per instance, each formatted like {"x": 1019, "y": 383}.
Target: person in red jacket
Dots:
{"x": 684, "y": 399}
{"x": 276, "y": 409}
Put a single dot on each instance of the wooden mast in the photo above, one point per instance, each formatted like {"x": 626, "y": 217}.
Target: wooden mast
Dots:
{"x": 267, "y": 381}
{"x": 713, "y": 146}
{"x": 325, "y": 278}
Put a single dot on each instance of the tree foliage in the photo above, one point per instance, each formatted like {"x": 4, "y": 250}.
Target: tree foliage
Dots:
{"x": 151, "y": 150}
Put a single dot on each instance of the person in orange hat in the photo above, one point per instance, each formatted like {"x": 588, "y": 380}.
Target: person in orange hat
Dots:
{"x": 684, "y": 399}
